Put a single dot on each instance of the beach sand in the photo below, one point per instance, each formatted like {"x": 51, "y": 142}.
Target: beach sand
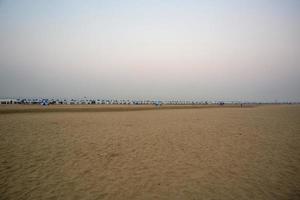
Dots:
{"x": 209, "y": 153}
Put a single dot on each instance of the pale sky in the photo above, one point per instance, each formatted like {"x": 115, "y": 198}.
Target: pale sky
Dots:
{"x": 151, "y": 49}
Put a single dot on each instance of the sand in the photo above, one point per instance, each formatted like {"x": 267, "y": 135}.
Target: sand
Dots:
{"x": 19, "y": 108}
{"x": 209, "y": 153}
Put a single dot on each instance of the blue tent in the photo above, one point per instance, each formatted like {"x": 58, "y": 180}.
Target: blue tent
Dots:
{"x": 45, "y": 102}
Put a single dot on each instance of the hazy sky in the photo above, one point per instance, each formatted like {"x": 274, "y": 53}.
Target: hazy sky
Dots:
{"x": 154, "y": 49}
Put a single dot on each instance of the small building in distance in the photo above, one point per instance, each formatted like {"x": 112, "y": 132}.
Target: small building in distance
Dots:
{"x": 8, "y": 101}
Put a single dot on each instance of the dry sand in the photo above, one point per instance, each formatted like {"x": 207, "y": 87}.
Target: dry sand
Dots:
{"x": 211, "y": 153}
{"x": 12, "y": 109}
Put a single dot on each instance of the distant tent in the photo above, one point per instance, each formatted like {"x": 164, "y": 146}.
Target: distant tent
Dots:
{"x": 44, "y": 102}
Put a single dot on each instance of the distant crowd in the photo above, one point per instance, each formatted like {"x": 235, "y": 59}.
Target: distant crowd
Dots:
{"x": 86, "y": 101}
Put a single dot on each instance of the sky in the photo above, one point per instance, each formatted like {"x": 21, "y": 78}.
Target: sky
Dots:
{"x": 151, "y": 49}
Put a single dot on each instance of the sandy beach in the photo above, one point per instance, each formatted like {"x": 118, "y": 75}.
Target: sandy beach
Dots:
{"x": 209, "y": 153}
{"x": 19, "y": 108}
